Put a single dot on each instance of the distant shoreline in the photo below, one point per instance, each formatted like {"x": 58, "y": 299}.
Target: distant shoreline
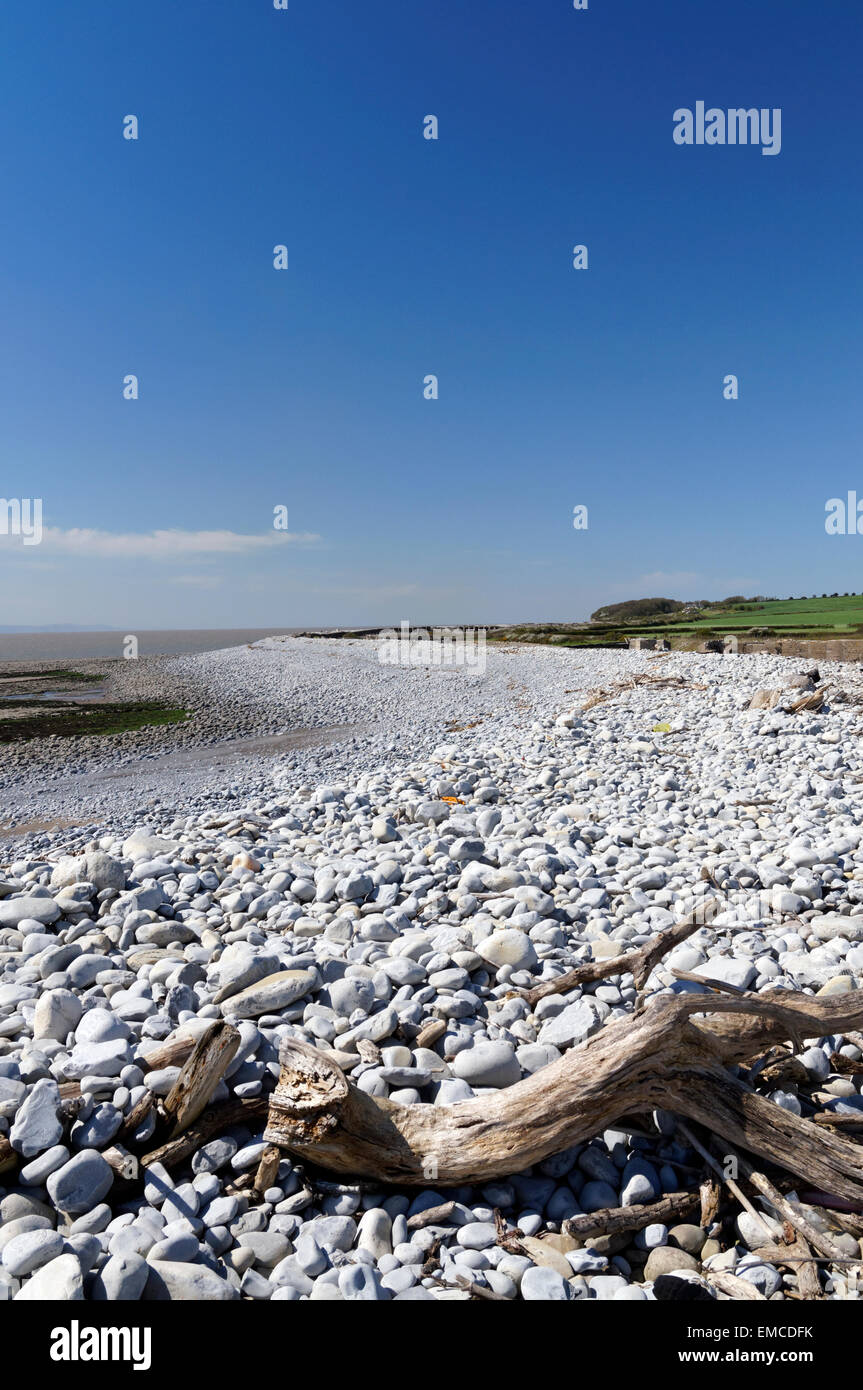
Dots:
{"x": 107, "y": 645}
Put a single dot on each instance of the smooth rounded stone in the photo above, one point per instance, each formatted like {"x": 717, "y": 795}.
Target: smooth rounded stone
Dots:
{"x": 161, "y": 1081}
{"x": 652, "y": 1236}
{"x": 86, "y": 1249}
{"x": 374, "y": 1232}
{"x": 595, "y": 1196}
{"x": 99, "y": 1129}
{"x": 361, "y": 1283}
{"x": 12, "y": 1092}
{"x": 239, "y": 966}
{"x": 500, "y": 1283}
{"x": 401, "y": 970}
{"x": 34, "y": 1174}
{"x": 399, "y": 1280}
{"x": 406, "y": 1095}
{"x": 96, "y": 1220}
{"x": 180, "y": 1282}
{"x": 751, "y": 1229}
{"x": 94, "y": 867}
{"x": 214, "y": 1155}
{"x": 271, "y": 994}
{"x": 597, "y": 1164}
{"x": 134, "y": 1239}
{"x": 332, "y": 1232}
{"x": 157, "y": 1184}
{"x": 324, "y": 1291}
{"x": 101, "y": 1026}
{"x": 267, "y": 1247}
{"x": 665, "y": 1259}
{"x": 59, "y": 1281}
{"x": 631, "y": 1293}
{"x": 606, "y": 1287}
{"x": 408, "y": 1252}
{"x": 540, "y": 1285}
{"x": 508, "y": 947}
{"x": 29, "y": 1251}
{"x": 477, "y": 1235}
{"x": 765, "y": 1278}
{"x": 586, "y": 1261}
{"x": 37, "y": 1126}
{"x": 487, "y": 1064}
{"x": 97, "y": 1059}
{"x": 413, "y": 1077}
{"x": 13, "y": 911}
{"x": 561, "y": 1205}
{"x": 838, "y": 984}
{"x": 288, "y": 1274}
{"x": 143, "y": 844}
{"x": 731, "y": 970}
{"x": 254, "y": 1285}
{"x": 534, "y": 1056}
{"x": 82, "y": 971}
{"x": 530, "y": 1222}
{"x": 816, "y": 1062}
{"x": 640, "y": 1183}
{"x": 451, "y": 1090}
{"x": 57, "y": 1014}
{"x": 81, "y": 1183}
{"x": 689, "y": 1238}
{"x": 283, "y": 1293}
{"x": 309, "y": 1255}
{"x": 572, "y": 1025}
{"x": 375, "y": 1029}
{"x": 21, "y": 1224}
{"x": 182, "y": 1247}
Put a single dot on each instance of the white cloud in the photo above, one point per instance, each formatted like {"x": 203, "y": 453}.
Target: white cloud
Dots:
{"x": 161, "y": 545}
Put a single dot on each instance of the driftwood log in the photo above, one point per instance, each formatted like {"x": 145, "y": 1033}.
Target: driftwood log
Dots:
{"x": 639, "y": 963}
{"x": 658, "y": 1058}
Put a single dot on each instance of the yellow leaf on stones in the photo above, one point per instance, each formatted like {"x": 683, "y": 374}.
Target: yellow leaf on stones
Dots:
{"x": 661, "y": 729}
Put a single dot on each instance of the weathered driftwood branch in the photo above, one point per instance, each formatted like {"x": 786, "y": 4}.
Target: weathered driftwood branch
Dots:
{"x": 791, "y": 1213}
{"x": 611, "y": 1221}
{"x": 658, "y": 1058}
{"x": 124, "y": 1164}
{"x": 268, "y": 1168}
{"x": 730, "y": 1183}
{"x": 799, "y": 1259}
{"x": 638, "y": 963}
{"x": 710, "y": 1195}
{"x": 213, "y": 1121}
{"x": 201, "y": 1073}
{"x": 732, "y": 1286}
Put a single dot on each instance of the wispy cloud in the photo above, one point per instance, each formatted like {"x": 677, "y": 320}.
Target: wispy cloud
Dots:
{"x": 198, "y": 581}
{"x": 170, "y": 545}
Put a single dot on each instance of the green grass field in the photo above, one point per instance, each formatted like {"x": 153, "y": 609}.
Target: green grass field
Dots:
{"x": 817, "y": 618}
{"x": 806, "y": 617}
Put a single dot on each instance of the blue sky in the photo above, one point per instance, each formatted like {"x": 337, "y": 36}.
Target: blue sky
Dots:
{"x": 407, "y": 257}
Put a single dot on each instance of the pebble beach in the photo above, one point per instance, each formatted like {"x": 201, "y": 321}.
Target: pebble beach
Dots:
{"x": 379, "y": 861}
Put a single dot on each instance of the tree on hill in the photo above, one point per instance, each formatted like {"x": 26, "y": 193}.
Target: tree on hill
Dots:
{"x": 636, "y": 608}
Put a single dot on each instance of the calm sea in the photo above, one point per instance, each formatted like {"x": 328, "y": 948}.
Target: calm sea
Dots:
{"x": 69, "y": 647}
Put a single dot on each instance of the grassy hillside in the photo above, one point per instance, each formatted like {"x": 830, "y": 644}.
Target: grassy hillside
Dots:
{"x": 837, "y": 615}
